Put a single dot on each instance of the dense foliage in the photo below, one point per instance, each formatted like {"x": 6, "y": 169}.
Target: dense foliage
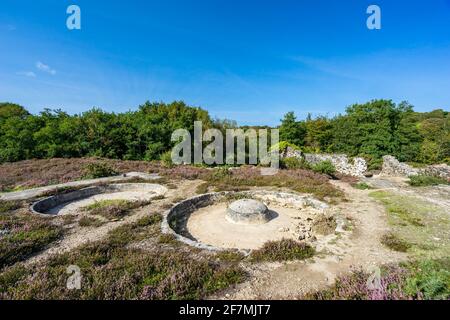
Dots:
{"x": 134, "y": 135}
{"x": 371, "y": 130}
{"x": 375, "y": 129}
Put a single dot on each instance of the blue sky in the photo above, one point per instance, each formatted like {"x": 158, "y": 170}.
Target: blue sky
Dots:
{"x": 248, "y": 60}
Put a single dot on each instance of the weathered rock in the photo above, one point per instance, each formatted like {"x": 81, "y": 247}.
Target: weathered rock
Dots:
{"x": 393, "y": 167}
{"x": 438, "y": 170}
{"x": 248, "y": 211}
{"x": 341, "y": 162}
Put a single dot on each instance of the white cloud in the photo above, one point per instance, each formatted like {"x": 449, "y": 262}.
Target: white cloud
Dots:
{"x": 11, "y": 27}
{"x": 29, "y": 74}
{"x": 46, "y": 68}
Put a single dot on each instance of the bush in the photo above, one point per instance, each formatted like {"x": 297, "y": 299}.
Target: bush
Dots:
{"x": 283, "y": 250}
{"x": 391, "y": 241}
{"x": 294, "y": 163}
{"x": 429, "y": 278}
{"x": 99, "y": 170}
{"x": 362, "y": 186}
{"x": 166, "y": 159}
{"x": 424, "y": 180}
{"x": 324, "y": 167}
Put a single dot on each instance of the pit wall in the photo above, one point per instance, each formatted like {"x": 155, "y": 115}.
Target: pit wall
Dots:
{"x": 48, "y": 203}
{"x": 393, "y": 167}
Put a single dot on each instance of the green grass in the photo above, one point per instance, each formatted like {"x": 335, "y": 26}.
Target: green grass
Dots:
{"x": 362, "y": 186}
{"x": 283, "y": 250}
{"x": 423, "y": 225}
{"x": 424, "y": 181}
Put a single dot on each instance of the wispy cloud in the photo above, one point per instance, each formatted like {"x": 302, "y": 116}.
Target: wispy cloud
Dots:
{"x": 29, "y": 74}
{"x": 45, "y": 68}
{"x": 11, "y": 27}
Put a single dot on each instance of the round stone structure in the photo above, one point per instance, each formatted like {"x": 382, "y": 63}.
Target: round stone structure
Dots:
{"x": 248, "y": 211}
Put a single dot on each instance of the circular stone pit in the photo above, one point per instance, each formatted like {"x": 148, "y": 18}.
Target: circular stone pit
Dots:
{"x": 72, "y": 202}
{"x": 242, "y": 220}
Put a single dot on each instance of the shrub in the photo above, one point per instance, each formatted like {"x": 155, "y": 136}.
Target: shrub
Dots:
{"x": 99, "y": 170}
{"x": 324, "y": 167}
{"x": 393, "y": 242}
{"x": 362, "y": 186}
{"x": 89, "y": 222}
{"x": 283, "y": 250}
{"x": 166, "y": 159}
{"x": 294, "y": 163}
{"x": 429, "y": 278}
{"x": 424, "y": 180}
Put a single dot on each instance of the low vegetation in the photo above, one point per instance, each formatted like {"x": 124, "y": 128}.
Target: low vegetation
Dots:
{"x": 304, "y": 181}
{"x": 21, "y": 235}
{"x": 416, "y": 225}
{"x": 86, "y": 221}
{"x": 427, "y": 279}
{"x": 99, "y": 170}
{"x": 393, "y": 242}
{"x": 113, "y": 209}
{"x": 361, "y": 186}
{"x": 424, "y": 181}
{"x": 282, "y": 250}
{"x": 112, "y": 270}
{"x": 324, "y": 167}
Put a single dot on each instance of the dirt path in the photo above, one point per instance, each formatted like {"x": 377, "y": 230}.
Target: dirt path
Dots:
{"x": 79, "y": 236}
{"x": 362, "y": 248}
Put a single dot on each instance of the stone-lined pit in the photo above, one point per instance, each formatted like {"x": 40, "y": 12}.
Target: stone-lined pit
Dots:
{"x": 72, "y": 202}
{"x": 242, "y": 220}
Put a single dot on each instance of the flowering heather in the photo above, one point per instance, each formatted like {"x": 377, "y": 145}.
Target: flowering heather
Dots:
{"x": 112, "y": 270}
{"x": 304, "y": 181}
{"x": 23, "y": 235}
{"x": 414, "y": 280}
{"x": 283, "y": 250}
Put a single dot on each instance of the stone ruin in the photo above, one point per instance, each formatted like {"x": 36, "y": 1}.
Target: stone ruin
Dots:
{"x": 393, "y": 167}
{"x": 341, "y": 162}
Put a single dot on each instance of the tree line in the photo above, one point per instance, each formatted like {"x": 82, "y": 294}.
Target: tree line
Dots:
{"x": 375, "y": 129}
{"x": 370, "y": 130}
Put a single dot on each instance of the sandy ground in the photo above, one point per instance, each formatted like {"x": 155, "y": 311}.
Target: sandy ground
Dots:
{"x": 210, "y": 226}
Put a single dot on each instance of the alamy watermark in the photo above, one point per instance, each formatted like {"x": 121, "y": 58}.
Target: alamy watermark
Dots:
{"x": 238, "y": 147}
{"x": 74, "y": 280}
{"x": 374, "y": 20}
{"x": 73, "y": 21}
